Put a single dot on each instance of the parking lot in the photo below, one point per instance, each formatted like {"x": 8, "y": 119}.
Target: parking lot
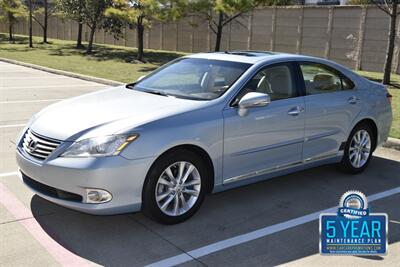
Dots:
{"x": 268, "y": 223}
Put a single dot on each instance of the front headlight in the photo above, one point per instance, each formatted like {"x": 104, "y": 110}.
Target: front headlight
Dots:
{"x": 99, "y": 146}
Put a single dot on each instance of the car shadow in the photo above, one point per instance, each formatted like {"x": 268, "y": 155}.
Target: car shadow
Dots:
{"x": 134, "y": 240}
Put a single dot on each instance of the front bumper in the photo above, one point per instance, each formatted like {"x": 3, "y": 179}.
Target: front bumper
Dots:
{"x": 121, "y": 177}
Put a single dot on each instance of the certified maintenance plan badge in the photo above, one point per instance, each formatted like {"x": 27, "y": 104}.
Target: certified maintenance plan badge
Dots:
{"x": 353, "y": 230}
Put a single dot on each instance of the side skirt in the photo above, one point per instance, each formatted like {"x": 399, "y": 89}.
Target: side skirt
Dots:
{"x": 274, "y": 172}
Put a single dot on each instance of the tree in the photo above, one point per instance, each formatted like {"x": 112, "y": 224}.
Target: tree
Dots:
{"x": 10, "y": 11}
{"x": 74, "y": 10}
{"x": 227, "y": 11}
{"x": 141, "y": 13}
{"x": 30, "y": 8}
{"x": 93, "y": 16}
{"x": 390, "y": 8}
{"x": 91, "y": 13}
{"x": 44, "y": 8}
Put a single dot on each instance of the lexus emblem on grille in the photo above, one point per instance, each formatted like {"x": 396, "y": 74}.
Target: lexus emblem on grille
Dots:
{"x": 32, "y": 146}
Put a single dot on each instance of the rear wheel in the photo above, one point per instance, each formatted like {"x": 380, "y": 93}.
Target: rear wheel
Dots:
{"x": 175, "y": 187}
{"x": 358, "y": 150}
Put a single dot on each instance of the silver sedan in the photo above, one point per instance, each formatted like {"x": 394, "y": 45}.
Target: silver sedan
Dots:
{"x": 200, "y": 124}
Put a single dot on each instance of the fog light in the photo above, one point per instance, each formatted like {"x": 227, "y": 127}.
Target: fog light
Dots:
{"x": 97, "y": 196}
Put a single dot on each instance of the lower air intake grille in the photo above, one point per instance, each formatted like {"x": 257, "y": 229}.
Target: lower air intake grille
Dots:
{"x": 51, "y": 191}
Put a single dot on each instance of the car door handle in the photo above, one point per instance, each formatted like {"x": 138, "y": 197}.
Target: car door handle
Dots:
{"x": 295, "y": 111}
{"x": 353, "y": 100}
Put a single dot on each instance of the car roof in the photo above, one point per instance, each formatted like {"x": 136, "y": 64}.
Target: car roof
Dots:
{"x": 261, "y": 57}
{"x": 248, "y": 56}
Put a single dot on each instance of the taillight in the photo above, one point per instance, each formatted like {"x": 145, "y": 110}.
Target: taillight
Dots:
{"x": 389, "y": 97}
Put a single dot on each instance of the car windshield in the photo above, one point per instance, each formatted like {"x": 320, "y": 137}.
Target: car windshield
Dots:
{"x": 192, "y": 78}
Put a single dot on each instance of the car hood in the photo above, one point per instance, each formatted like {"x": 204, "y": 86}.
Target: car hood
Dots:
{"x": 106, "y": 112}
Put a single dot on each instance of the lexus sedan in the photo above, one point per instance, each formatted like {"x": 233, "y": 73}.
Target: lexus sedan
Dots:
{"x": 202, "y": 123}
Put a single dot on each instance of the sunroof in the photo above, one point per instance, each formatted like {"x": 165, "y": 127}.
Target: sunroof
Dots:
{"x": 251, "y": 53}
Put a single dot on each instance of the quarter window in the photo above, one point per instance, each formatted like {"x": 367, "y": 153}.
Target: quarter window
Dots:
{"x": 276, "y": 81}
{"x": 320, "y": 79}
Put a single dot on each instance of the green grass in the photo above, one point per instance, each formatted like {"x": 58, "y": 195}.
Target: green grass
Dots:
{"x": 118, "y": 63}
{"x": 395, "y": 130}
{"x": 110, "y": 62}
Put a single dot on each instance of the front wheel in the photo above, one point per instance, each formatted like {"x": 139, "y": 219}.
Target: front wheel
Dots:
{"x": 175, "y": 187}
{"x": 358, "y": 149}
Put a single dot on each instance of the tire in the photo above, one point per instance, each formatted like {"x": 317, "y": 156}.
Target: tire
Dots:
{"x": 357, "y": 156}
{"x": 160, "y": 188}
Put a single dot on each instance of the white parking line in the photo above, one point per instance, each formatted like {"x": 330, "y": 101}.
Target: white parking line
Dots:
{"x": 25, "y": 217}
{"x": 240, "y": 239}
{"x": 5, "y": 174}
{"x": 43, "y": 76}
{"x": 12, "y": 125}
{"x": 53, "y": 86}
{"x": 30, "y": 101}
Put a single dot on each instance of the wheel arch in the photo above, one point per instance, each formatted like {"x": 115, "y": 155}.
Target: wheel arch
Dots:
{"x": 370, "y": 122}
{"x": 193, "y": 148}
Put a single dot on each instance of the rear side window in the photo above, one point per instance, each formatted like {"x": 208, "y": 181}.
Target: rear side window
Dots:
{"x": 320, "y": 79}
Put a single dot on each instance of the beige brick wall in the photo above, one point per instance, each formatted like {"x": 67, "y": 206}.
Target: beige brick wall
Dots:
{"x": 354, "y": 36}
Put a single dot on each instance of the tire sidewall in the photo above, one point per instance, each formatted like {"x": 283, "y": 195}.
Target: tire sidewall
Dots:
{"x": 150, "y": 207}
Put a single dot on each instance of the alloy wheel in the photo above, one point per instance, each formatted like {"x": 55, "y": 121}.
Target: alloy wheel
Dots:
{"x": 178, "y": 188}
{"x": 360, "y": 148}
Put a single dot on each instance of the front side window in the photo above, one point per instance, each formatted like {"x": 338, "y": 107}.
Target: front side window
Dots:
{"x": 192, "y": 78}
{"x": 320, "y": 79}
{"x": 276, "y": 81}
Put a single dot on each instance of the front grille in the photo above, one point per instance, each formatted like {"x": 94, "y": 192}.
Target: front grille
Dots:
{"x": 51, "y": 191}
{"x": 38, "y": 146}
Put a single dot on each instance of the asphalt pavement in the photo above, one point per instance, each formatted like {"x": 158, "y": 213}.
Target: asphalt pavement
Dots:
{"x": 269, "y": 223}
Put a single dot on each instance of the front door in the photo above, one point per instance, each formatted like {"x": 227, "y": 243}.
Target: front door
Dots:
{"x": 266, "y": 138}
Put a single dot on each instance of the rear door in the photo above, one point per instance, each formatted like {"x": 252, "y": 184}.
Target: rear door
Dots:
{"x": 331, "y": 103}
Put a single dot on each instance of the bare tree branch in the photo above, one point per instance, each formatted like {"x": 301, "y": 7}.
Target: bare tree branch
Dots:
{"x": 232, "y": 18}
{"x": 35, "y": 19}
{"x": 241, "y": 24}
{"x": 212, "y": 27}
{"x": 387, "y": 6}
{"x": 213, "y": 21}
{"x": 208, "y": 18}
{"x": 381, "y": 8}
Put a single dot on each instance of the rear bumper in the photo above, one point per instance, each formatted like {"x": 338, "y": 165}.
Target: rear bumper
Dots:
{"x": 64, "y": 181}
{"x": 384, "y": 125}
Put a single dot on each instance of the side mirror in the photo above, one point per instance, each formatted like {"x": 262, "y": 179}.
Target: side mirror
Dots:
{"x": 254, "y": 99}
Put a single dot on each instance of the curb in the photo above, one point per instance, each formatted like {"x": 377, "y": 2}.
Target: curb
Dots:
{"x": 62, "y": 72}
{"x": 393, "y": 143}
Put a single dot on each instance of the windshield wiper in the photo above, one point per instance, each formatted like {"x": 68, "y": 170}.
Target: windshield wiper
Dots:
{"x": 161, "y": 93}
{"x": 155, "y": 92}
